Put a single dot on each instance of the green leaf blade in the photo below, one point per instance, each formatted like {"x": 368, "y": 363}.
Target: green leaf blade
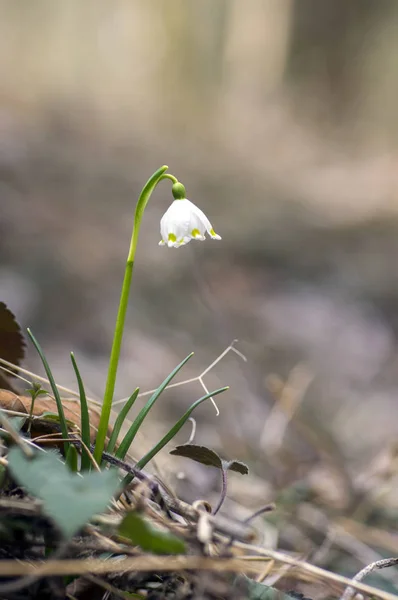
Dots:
{"x": 171, "y": 433}
{"x": 120, "y": 420}
{"x": 176, "y": 428}
{"x": 151, "y": 539}
{"x": 84, "y": 417}
{"x": 130, "y": 435}
{"x": 62, "y": 420}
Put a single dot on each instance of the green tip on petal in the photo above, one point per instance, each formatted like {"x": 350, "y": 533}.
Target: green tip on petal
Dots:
{"x": 178, "y": 191}
{"x": 214, "y": 235}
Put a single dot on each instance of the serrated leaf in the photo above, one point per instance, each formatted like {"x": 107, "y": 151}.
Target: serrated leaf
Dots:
{"x": 151, "y": 539}
{"x": 12, "y": 343}
{"x": 69, "y": 499}
{"x": 200, "y": 454}
{"x": 209, "y": 457}
{"x": 237, "y": 466}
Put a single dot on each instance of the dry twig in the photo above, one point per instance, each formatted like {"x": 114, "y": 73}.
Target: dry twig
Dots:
{"x": 379, "y": 564}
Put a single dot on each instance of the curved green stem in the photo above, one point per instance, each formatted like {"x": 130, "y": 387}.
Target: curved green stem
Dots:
{"x": 168, "y": 176}
{"x": 121, "y": 315}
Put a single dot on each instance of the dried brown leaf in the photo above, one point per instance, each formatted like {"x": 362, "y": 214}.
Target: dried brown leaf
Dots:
{"x": 12, "y": 343}
{"x": 41, "y": 426}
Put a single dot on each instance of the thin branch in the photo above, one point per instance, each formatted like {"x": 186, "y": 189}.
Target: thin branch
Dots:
{"x": 13, "y": 374}
{"x": 199, "y": 378}
{"x": 29, "y": 577}
{"x": 14, "y": 435}
{"x": 221, "y": 524}
{"x": 260, "y": 511}
{"x": 317, "y": 572}
{"x": 43, "y": 380}
{"x": 13, "y": 568}
{"x": 379, "y": 564}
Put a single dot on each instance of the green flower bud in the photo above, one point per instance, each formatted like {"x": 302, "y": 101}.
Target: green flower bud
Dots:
{"x": 178, "y": 191}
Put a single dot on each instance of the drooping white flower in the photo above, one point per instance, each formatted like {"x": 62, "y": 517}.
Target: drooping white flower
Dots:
{"x": 183, "y": 222}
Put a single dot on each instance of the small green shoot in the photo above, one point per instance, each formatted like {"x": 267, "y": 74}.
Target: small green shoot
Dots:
{"x": 35, "y": 391}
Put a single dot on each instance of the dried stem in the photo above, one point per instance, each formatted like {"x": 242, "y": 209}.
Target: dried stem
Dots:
{"x": 224, "y": 482}
{"x": 379, "y": 564}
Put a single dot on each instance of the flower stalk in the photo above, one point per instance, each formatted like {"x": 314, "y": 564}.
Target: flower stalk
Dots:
{"x": 121, "y": 315}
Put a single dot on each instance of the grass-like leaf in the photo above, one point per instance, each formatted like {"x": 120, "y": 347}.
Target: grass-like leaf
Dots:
{"x": 72, "y": 459}
{"x": 68, "y": 498}
{"x": 120, "y": 420}
{"x": 62, "y": 420}
{"x": 130, "y": 435}
{"x": 84, "y": 417}
{"x": 171, "y": 433}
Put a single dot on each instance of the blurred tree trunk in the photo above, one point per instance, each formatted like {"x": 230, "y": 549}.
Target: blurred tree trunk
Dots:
{"x": 332, "y": 46}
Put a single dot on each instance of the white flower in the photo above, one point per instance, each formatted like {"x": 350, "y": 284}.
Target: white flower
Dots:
{"x": 183, "y": 222}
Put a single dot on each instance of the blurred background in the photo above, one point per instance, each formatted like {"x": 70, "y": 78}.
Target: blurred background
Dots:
{"x": 280, "y": 118}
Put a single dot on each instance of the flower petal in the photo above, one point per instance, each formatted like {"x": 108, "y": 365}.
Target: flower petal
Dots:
{"x": 201, "y": 216}
{"x": 197, "y": 235}
{"x": 214, "y": 235}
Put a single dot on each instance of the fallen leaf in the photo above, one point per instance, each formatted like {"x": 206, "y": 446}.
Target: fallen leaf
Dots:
{"x": 12, "y": 343}
{"x": 46, "y": 424}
